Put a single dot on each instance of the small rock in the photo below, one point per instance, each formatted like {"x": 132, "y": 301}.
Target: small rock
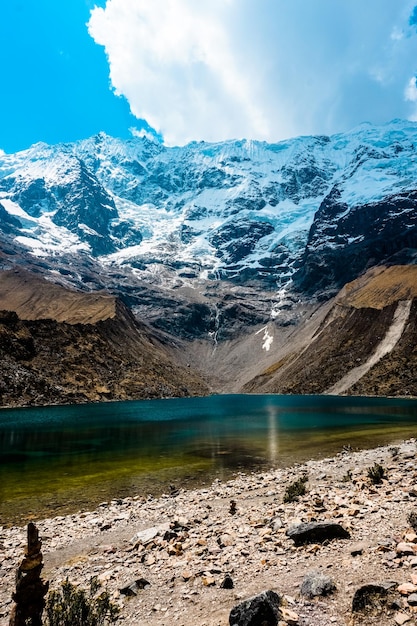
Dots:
{"x": 225, "y": 540}
{"x": 412, "y": 599}
{"x": 401, "y": 618}
{"x": 357, "y": 549}
{"x": 208, "y": 581}
{"x": 353, "y": 512}
{"x": 150, "y": 559}
{"x": 132, "y": 588}
{"x": 290, "y": 617}
{"x": 227, "y": 582}
{"x": 405, "y": 548}
{"x": 316, "y": 584}
{"x": 277, "y": 524}
{"x": 147, "y": 535}
{"x": 182, "y": 523}
{"x": 368, "y": 596}
{"x": 406, "y": 588}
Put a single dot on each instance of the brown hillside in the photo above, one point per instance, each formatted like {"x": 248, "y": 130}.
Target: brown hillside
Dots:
{"x": 110, "y": 356}
{"x": 365, "y": 314}
{"x": 34, "y": 298}
{"x": 380, "y": 287}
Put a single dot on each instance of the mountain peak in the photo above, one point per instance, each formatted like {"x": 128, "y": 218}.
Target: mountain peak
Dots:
{"x": 243, "y": 211}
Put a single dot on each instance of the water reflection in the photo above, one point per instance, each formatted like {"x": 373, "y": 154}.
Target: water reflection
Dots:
{"x": 272, "y": 434}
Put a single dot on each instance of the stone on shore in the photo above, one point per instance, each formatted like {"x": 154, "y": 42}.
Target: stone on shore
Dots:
{"x": 149, "y": 534}
{"x": 201, "y": 561}
{"x": 369, "y": 597}
{"x": 316, "y": 583}
{"x": 261, "y": 610}
{"x": 132, "y": 588}
{"x": 316, "y": 532}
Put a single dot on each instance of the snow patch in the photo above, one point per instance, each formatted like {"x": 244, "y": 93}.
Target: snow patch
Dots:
{"x": 14, "y": 209}
{"x": 267, "y": 338}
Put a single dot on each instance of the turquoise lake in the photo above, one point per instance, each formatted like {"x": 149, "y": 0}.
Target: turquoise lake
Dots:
{"x": 55, "y": 460}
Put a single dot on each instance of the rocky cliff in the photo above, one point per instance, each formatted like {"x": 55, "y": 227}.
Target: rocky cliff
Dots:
{"x": 59, "y": 346}
{"x": 363, "y": 343}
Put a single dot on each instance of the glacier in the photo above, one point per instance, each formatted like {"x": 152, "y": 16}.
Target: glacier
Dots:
{"x": 242, "y": 212}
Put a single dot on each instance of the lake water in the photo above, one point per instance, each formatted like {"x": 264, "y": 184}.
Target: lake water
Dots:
{"x": 55, "y": 460}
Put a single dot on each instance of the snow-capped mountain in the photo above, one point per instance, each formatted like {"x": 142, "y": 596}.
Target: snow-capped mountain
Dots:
{"x": 205, "y": 211}
{"x": 308, "y": 213}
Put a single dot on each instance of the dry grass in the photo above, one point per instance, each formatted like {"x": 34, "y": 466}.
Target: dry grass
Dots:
{"x": 381, "y": 287}
{"x": 34, "y": 298}
{"x": 276, "y": 366}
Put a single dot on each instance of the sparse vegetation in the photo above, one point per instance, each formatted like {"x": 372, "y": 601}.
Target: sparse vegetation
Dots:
{"x": 73, "y": 606}
{"x": 347, "y": 477}
{"x": 296, "y": 489}
{"x": 394, "y": 450}
{"x": 376, "y": 474}
{"x": 276, "y": 366}
{"x": 412, "y": 520}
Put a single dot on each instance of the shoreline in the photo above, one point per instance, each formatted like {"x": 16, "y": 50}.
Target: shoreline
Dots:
{"x": 250, "y": 545}
{"x": 15, "y": 511}
{"x": 8, "y": 407}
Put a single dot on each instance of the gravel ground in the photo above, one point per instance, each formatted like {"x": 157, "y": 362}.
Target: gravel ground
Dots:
{"x": 195, "y": 539}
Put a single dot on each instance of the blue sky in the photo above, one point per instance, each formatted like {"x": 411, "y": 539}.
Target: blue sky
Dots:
{"x": 203, "y": 69}
{"x": 54, "y": 77}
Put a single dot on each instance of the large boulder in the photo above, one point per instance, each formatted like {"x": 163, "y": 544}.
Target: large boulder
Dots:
{"x": 316, "y": 532}
{"x": 261, "y": 610}
{"x": 369, "y": 597}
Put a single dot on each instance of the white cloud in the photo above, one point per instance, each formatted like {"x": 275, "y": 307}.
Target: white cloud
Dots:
{"x": 411, "y": 90}
{"x": 173, "y": 61}
{"x": 219, "y": 69}
{"x": 143, "y": 132}
{"x": 410, "y": 94}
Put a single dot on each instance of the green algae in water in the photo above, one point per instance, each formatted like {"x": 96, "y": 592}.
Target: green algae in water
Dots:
{"x": 60, "y": 459}
{"x": 58, "y": 492}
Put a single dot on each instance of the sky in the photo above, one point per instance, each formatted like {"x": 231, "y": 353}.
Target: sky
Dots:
{"x": 212, "y": 70}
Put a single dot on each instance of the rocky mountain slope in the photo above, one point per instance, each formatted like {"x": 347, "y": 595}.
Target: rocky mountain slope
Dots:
{"x": 221, "y": 249}
{"x": 363, "y": 343}
{"x": 60, "y": 346}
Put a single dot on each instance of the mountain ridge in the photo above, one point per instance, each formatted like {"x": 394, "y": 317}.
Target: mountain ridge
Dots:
{"x": 224, "y": 251}
{"x": 239, "y": 210}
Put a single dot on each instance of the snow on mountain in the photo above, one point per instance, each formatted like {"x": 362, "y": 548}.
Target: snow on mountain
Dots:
{"x": 237, "y": 210}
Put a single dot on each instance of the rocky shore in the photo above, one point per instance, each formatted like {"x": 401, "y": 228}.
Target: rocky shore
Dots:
{"x": 188, "y": 557}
